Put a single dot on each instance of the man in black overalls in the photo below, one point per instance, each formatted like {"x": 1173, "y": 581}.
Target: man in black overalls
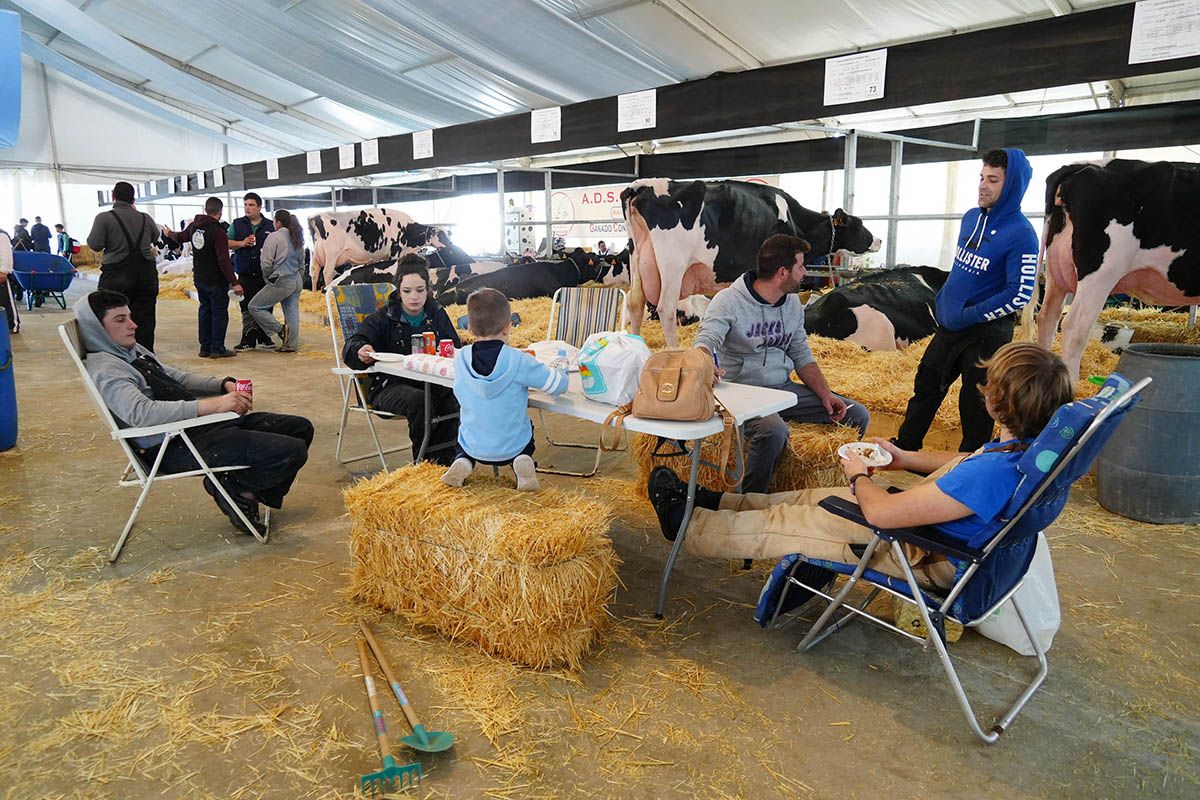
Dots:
{"x": 246, "y": 237}
{"x": 127, "y": 237}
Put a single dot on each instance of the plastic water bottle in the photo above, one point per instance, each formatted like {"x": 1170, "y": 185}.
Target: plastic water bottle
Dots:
{"x": 561, "y": 361}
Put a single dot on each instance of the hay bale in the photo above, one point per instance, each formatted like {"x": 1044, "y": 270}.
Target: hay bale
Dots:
{"x": 175, "y": 287}
{"x": 313, "y": 303}
{"x": 809, "y": 461}
{"x": 527, "y": 576}
{"x": 1152, "y": 325}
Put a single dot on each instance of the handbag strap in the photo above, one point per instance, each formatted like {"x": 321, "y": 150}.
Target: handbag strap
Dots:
{"x": 725, "y": 448}
{"x": 617, "y": 419}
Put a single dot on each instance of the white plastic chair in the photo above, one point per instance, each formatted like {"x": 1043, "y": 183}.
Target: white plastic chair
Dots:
{"x": 576, "y": 312}
{"x": 69, "y": 331}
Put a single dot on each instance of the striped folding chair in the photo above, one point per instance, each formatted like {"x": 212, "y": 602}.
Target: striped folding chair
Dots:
{"x": 576, "y": 312}
{"x": 347, "y": 306}
{"x": 989, "y": 567}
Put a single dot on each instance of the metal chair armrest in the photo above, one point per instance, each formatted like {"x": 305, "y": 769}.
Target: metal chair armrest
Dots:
{"x": 169, "y": 427}
{"x": 925, "y": 537}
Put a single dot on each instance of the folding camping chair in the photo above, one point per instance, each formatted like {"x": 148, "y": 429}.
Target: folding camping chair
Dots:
{"x": 990, "y": 567}
{"x": 576, "y": 312}
{"x": 354, "y": 303}
{"x": 69, "y": 331}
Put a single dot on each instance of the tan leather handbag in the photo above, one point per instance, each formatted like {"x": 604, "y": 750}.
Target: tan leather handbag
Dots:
{"x": 676, "y": 385}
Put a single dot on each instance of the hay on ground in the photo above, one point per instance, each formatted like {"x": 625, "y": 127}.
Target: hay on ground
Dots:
{"x": 1152, "y": 325}
{"x": 809, "y": 461}
{"x": 175, "y": 287}
{"x": 527, "y": 576}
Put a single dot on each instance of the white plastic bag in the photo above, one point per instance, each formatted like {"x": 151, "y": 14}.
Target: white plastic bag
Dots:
{"x": 1038, "y": 597}
{"x": 610, "y": 366}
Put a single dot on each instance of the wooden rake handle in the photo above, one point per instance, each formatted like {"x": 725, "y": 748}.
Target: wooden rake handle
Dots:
{"x": 385, "y": 747}
{"x": 391, "y": 677}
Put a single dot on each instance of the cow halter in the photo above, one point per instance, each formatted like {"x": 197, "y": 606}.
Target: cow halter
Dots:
{"x": 832, "y": 234}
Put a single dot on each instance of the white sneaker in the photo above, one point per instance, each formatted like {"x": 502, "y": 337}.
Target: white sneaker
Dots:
{"x": 527, "y": 480}
{"x": 458, "y": 472}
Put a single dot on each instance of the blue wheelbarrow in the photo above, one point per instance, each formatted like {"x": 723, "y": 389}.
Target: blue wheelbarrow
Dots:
{"x": 41, "y": 276}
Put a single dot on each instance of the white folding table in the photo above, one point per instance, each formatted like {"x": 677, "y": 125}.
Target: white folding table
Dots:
{"x": 743, "y": 402}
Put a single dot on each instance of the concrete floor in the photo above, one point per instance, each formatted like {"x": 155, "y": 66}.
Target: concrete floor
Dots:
{"x": 206, "y": 665}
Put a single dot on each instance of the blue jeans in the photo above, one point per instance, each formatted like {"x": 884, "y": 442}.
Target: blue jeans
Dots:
{"x": 214, "y": 317}
{"x": 285, "y": 291}
{"x": 767, "y": 436}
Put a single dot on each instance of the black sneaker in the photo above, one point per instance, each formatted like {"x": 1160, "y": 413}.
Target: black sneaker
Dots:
{"x": 245, "y": 346}
{"x": 222, "y": 354}
{"x": 668, "y": 480}
{"x": 247, "y": 507}
{"x": 668, "y": 499}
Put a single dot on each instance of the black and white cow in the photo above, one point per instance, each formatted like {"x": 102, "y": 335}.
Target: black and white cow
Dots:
{"x": 690, "y": 237}
{"x": 365, "y": 237}
{"x": 520, "y": 281}
{"x": 885, "y": 311}
{"x": 1124, "y": 227}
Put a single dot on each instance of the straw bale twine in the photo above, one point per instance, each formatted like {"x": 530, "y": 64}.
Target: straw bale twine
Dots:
{"x": 527, "y": 576}
{"x": 809, "y": 461}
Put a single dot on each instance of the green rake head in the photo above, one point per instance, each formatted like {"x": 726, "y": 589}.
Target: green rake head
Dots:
{"x": 392, "y": 778}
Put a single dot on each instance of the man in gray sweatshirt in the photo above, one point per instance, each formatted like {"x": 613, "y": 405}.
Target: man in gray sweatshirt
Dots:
{"x": 127, "y": 238}
{"x": 754, "y": 329}
{"x": 140, "y": 392}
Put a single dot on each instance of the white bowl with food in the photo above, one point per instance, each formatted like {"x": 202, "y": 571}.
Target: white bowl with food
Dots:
{"x": 871, "y": 454}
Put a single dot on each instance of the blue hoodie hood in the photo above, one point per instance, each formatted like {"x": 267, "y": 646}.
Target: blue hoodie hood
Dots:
{"x": 995, "y": 262}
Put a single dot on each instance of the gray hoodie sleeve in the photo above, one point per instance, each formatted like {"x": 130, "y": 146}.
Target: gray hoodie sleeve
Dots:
{"x": 274, "y": 250}
{"x": 798, "y": 350}
{"x": 118, "y": 385}
{"x": 203, "y": 385}
{"x": 715, "y": 324}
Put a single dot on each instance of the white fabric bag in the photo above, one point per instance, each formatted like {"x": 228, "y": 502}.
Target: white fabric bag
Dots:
{"x": 1038, "y": 597}
{"x": 610, "y": 366}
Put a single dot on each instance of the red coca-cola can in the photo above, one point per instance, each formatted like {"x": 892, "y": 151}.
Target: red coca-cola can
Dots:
{"x": 430, "y": 342}
{"x": 245, "y": 386}
{"x": 446, "y": 348}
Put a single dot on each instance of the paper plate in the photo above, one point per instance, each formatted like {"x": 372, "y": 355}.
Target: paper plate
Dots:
{"x": 871, "y": 454}
{"x": 390, "y": 357}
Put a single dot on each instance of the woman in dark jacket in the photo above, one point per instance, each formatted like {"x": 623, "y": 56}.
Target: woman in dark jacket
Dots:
{"x": 410, "y": 310}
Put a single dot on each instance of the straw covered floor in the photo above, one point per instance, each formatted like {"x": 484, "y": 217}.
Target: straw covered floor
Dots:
{"x": 527, "y": 576}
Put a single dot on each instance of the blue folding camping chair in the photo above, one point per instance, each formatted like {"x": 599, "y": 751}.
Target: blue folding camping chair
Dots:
{"x": 989, "y": 568}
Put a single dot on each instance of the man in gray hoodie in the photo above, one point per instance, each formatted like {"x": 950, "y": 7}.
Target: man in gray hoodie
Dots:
{"x": 754, "y": 329}
{"x": 140, "y": 392}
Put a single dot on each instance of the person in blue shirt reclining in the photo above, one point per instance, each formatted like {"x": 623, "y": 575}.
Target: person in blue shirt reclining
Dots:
{"x": 1025, "y": 385}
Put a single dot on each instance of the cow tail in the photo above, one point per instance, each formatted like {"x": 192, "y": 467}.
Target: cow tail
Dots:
{"x": 1027, "y": 331}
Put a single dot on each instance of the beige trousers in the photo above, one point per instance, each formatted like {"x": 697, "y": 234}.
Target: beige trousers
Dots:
{"x": 770, "y": 526}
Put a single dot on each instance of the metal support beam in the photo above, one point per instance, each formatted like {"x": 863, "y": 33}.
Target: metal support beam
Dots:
{"x": 503, "y": 209}
{"x": 333, "y": 198}
{"x": 549, "y": 212}
{"x": 709, "y": 32}
{"x": 894, "y": 202}
{"x": 851, "y": 160}
{"x": 56, "y": 170}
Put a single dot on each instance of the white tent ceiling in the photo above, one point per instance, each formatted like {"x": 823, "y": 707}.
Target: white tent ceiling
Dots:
{"x": 292, "y": 75}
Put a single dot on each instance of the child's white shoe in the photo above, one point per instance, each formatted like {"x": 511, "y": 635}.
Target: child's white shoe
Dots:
{"x": 527, "y": 480}
{"x": 458, "y": 472}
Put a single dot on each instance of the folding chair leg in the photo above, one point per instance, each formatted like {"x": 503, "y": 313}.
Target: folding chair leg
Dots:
{"x": 261, "y": 537}
{"x": 116, "y": 551}
{"x": 814, "y": 634}
{"x": 939, "y": 644}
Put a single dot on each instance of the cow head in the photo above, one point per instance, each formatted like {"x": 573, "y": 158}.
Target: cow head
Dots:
{"x": 830, "y": 316}
{"x": 613, "y": 272}
{"x": 849, "y": 233}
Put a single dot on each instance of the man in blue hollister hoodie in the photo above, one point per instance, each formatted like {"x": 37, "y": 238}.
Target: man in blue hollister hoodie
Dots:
{"x": 492, "y": 383}
{"x": 992, "y": 278}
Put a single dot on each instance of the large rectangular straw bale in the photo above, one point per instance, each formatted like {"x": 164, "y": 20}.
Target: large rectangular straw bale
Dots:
{"x": 527, "y": 576}
{"x": 809, "y": 461}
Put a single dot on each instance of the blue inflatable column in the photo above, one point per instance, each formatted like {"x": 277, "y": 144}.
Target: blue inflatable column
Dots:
{"x": 8, "y": 388}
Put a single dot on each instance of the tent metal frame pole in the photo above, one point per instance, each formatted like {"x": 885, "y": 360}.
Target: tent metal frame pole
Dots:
{"x": 850, "y": 159}
{"x": 55, "y": 167}
{"x": 549, "y": 178}
{"x": 894, "y": 202}
{"x": 333, "y": 198}
{"x": 503, "y": 248}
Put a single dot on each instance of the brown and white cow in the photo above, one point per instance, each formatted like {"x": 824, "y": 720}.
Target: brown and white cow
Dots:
{"x": 1124, "y": 227}
{"x": 690, "y": 238}
{"x": 365, "y": 237}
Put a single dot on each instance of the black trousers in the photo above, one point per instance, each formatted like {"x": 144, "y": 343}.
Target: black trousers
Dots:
{"x": 952, "y": 355}
{"x": 139, "y": 283}
{"x": 273, "y": 446}
{"x": 407, "y": 399}
{"x": 251, "y": 333}
{"x": 8, "y": 302}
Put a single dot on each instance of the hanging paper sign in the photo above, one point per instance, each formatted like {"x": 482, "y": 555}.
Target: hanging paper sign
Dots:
{"x": 346, "y": 156}
{"x": 545, "y": 125}
{"x": 855, "y": 78}
{"x": 422, "y": 144}
{"x": 637, "y": 110}
{"x": 272, "y": 169}
{"x": 370, "y": 152}
{"x": 1164, "y": 29}
{"x": 314, "y": 162}
{"x": 219, "y": 176}
{"x": 199, "y": 181}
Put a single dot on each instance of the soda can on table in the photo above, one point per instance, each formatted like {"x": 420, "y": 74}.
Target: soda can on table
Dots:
{"x": 446, "y": 348}
{"x": 245, "y": 386}
{"x": 417, "y": 344}
{"x": 430, "y": 343}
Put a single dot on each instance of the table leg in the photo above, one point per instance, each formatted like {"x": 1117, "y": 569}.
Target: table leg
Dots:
{"x": 428, "y": 422}
{"x": 683, "y": 526}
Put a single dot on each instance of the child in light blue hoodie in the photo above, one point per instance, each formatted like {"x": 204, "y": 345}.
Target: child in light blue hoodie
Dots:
{"x": 492, "y": 383}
